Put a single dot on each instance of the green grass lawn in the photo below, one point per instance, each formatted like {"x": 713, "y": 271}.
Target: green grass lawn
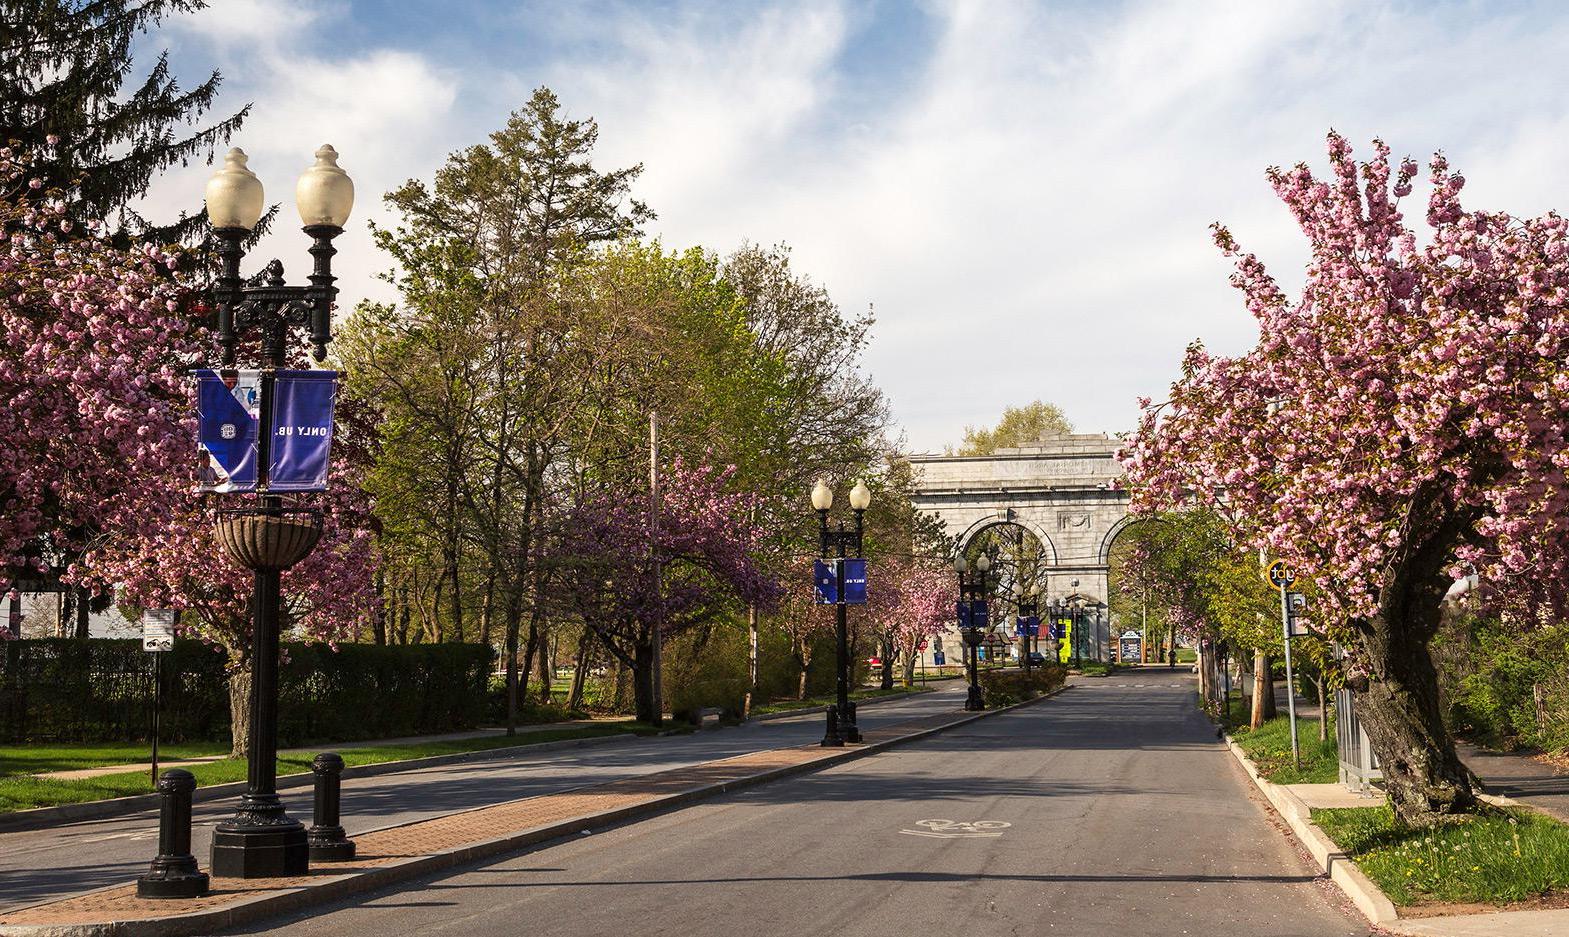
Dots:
{"x": 69, "y": 756}
{"x": 1270, "y": 748}
{"x": 789, "y": 704}
{"x": 19, "y": 792}
{"x": 1494, "y": 858}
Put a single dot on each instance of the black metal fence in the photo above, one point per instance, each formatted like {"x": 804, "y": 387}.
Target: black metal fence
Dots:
{"x": 71, "y": 689}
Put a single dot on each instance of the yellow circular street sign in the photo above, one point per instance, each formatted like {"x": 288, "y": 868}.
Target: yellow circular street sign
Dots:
{"x": 1279, "y": 575}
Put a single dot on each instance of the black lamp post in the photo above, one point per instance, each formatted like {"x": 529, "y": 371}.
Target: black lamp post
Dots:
{"x": 261, "y": 840}
{"x": 841, "y": 727}
{"x": 1027, "y": 600}
{"x": 972, "y": 621}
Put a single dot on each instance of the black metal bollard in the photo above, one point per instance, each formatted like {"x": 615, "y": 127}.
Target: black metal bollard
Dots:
{"x": 831, "y": 736}
{"x": 174, "y": 873}
{"x": 326, "y": 838}
{"x": 850, "y": 730}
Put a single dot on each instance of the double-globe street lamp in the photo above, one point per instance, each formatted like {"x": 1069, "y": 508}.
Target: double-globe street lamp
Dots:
{"x": 261, "y": 839}
{"x": 841, "y": 727}
{"x": 973, "y": 620}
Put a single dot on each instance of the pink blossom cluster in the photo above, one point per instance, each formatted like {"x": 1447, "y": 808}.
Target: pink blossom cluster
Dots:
{"x": 93, "y": 412}
{"x": 1412, "y": 395}
{"x": 705, "y": 546}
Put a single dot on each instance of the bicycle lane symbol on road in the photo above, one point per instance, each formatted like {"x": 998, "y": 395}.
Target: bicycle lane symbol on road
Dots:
{"x": 955, "y": 829}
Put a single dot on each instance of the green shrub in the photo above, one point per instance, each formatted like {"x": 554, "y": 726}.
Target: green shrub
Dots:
{"x": 100, "y": 689}
{"x": 1007, "y": 687}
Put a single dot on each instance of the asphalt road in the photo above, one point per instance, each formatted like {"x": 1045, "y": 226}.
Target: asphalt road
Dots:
{"x": 1110, "y": 809}
{"x": 39, "y": 864}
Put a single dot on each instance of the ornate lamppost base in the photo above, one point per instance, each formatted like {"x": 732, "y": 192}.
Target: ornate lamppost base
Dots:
{"x": 180, "y": 879}
{"x": 973, "y": 700}
{"x": 831, "y": 736}
{"x": 260, "y": 851}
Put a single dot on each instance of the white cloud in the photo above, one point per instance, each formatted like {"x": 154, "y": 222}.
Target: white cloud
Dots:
{"x": 1028, "y": 210}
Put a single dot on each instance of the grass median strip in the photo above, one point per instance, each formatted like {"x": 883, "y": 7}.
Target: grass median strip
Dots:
{"x": 1269, "y": 746}
{"x": 20, "y": 792}
{"x": 1496, "y": 858}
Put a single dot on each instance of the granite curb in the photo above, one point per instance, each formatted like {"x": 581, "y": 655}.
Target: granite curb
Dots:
{"x": 248, "y": 910}
{"x": 1371, "y": 900}
{"x": 1368, "y": 898}
{"x": 819, "y": 709}
{"x": 44, "y": 817}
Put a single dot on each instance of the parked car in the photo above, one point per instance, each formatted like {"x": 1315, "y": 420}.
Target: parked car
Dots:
{"x": 1037, "y": 658}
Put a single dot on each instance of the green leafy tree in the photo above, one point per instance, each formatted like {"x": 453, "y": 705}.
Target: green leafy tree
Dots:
{"x": 63, "y": 95}
{"x": 1019, "y": 426}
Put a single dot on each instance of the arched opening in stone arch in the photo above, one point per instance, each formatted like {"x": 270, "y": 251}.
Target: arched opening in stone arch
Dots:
{"x": 1137, "y": 610}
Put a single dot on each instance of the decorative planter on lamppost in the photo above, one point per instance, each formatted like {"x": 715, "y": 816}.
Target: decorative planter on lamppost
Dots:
{"x": 843, "y": 583}
{"x": 974, "y": 621}
{"x": 279, "y": 446}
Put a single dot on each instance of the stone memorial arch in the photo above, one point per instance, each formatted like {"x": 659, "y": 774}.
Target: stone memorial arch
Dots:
{"x": 1062, "y": 490}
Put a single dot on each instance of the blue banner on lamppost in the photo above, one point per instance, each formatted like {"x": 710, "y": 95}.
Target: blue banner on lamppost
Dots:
{"x": 302, "y": 404}
{"x": 228, "y": 406}
{"x": 854, "y": 581}
{"x": 825, "y": 583}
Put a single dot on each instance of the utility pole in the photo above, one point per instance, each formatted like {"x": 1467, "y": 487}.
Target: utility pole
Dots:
{"x": 653, "y": 547}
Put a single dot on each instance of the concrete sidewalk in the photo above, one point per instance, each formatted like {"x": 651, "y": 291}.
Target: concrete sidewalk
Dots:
{"x": 427, "y": 845}
{"x": 1519, "y": 777}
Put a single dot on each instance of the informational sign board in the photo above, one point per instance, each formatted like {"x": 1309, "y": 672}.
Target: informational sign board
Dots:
{"x": 979, "y": 616}
{"x": 825, "y": 583}
{"x": 939, "y": 658}
{"x": 1130, "y": 646}
{"x": 961, "y": 613}
{"x": 854, "y": 581}
{"x": 228, "y": 405}
{"x": 158, "y": 629}
{"x": 1032, "y": 624}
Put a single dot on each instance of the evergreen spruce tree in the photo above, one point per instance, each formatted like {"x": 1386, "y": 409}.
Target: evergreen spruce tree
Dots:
{"x": 63, "y": 67}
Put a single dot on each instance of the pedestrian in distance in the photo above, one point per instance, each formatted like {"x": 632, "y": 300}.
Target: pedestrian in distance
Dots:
{"x": 1171, "y": 658}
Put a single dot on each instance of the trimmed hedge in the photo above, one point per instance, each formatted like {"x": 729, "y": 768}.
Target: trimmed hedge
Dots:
{"x": 1007, "y": 687}
{"x": 100, "y": 689}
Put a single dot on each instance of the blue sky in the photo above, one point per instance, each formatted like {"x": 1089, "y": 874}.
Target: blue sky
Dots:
{"x": 1023, "y": 190}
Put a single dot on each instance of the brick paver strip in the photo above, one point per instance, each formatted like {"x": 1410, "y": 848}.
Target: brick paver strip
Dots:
{"x": 484, "y": 830}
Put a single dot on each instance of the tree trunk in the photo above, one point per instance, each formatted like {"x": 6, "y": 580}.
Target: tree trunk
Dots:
{"x": 1399, "y": 708}
{"x": 514, "y": 625}
{"x": 487, "y": 609}
{"x": 580, "y": 672}
{"x": 909, "y": 667}
{"x": 83, "y": 628}
{"x": 888, "y": 653}
{"x": 1323, "y": 709}
{"x": 240, "y": 710}
{"x": 751, "y": 661}
{"x": 643, "y": 683}
{"x": 1263, "y": 690}
{"x": 378, "y": 622}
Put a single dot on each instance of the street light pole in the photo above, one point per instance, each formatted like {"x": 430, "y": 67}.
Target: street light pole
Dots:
{"x": 972, "y": 601}
{"x": 841, "y": 727}
{"x": 1026, "y": 600}
{"x": 261, "y": 840}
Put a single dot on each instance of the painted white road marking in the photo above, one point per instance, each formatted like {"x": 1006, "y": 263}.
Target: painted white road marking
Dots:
{"x": 956, "y": 829}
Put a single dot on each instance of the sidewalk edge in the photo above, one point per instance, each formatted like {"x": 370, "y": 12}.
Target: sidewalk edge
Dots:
{"x": 331, "y": 889}
{"x": 38, "y": 818}
{"x": 1368, "y": 898}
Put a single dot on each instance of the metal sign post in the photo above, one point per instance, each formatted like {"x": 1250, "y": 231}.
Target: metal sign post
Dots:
{"x": 1282, "y": 578}
{"x": 157, "y": 639}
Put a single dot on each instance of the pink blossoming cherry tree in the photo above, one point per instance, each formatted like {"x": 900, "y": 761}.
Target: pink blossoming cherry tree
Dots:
{"x": 1399, "y": 423}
